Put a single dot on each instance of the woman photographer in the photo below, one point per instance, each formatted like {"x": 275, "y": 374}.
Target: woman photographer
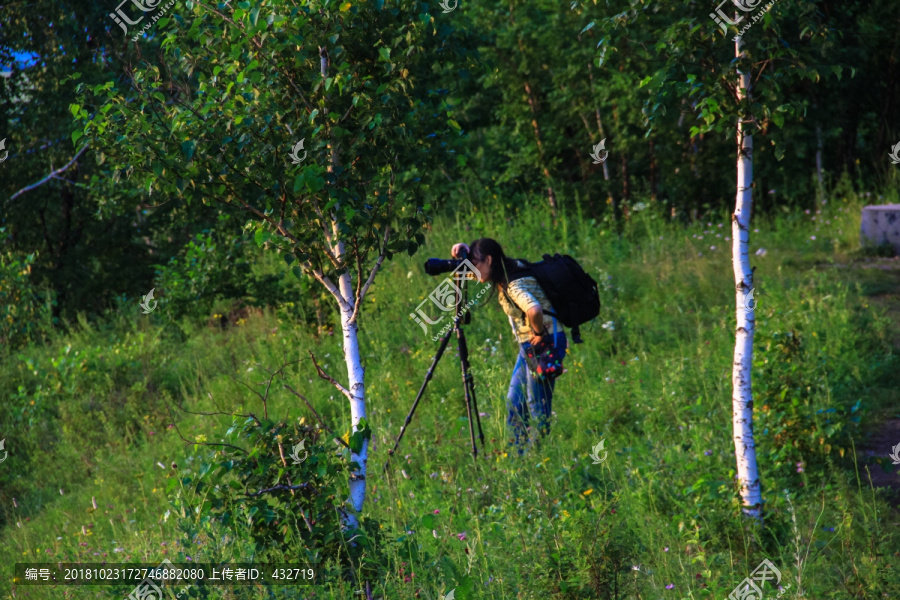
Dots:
{"x": 537, "y": 333}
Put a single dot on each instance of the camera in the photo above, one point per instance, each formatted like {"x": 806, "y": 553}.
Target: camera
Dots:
{"x": 438, "y": 266}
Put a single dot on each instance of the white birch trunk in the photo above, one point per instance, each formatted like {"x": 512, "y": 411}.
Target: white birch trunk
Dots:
{"x": 357, "y": 393}
{"x": 356, "y": 388}
{"x": 742, "y": 396}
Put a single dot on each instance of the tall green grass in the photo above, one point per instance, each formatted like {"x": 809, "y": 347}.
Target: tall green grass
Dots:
{"x": 659, "y": 518}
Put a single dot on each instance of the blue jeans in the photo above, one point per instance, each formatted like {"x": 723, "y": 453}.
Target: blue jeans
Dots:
{"x": 525, "y": 389}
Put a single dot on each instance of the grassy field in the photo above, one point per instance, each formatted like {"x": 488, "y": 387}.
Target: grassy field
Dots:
{"x": 659, "y": 518}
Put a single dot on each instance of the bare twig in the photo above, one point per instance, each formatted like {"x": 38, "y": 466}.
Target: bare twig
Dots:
{"x": 189, "y": 442}
{"x": 212, "y": 414}
{"x": 301, "y": 486}
{"x": 365, "y": 288}
{"x": 329, "y": 378}
{"x": 52, "y": 175}
{"x": 318, "y": 418}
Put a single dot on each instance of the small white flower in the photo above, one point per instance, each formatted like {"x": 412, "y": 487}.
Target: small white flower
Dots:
{"x": 409, "y": 275}
{"x": 761, "y": 252}
{"x": 609, "y": 325}
{"x": 712, "y": 247}
{"x": 812, "y": 237}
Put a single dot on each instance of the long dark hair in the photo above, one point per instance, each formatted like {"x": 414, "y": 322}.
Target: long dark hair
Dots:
{"x": 501, "y": 265}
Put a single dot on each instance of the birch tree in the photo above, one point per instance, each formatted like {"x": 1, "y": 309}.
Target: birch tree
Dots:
{"x": 745, "y": 305}
{"x": 320, "y": 121}
{"x": 697, "y": 69}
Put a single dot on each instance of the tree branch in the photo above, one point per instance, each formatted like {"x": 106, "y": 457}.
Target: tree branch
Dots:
{"x": 329, "y": 378}
{"x": 318, "y": 418}
{"x": 47, "y": 178}
{"x": 302, "y": 486}
{"x": 365, "y": 288}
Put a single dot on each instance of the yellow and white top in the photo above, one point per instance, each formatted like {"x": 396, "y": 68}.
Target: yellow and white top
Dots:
{"x": 526, "y": 293}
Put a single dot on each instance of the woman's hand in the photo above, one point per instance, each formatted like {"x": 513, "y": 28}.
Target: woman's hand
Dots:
{"x": 537, "y": 343}
{"x": 458, "y": 249}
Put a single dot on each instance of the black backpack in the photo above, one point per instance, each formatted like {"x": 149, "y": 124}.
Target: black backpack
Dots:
{"x": 572, "y": 292}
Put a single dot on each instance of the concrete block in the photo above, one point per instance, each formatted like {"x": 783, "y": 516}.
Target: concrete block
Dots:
{"x": 880, "y": 225}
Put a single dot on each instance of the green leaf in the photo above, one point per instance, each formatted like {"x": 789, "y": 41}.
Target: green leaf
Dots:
{"x": 74, "y": 109}
{"x": 778, "y": 119}
{"x": 188, "y": 149}
{"x": 345, "y": 7}
{"x": 315, "y": 183}
{"x": 289, "y": 258}
{"x": 77, "y": 135}
{"x": 385, "y": 54}
{"x": 454, "y": 124}
{"x": 361, "y": 434}
{"x": 356, "y": 442}
{"x": 163, "y": 22}
{"x": 589, "y": 25}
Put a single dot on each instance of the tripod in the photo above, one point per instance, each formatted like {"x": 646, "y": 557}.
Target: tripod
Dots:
{"x": 462, "y": 317}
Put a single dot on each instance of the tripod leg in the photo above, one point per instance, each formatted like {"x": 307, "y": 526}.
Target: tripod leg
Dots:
{"x": 428, "y": 376}
{"x": 477, "y": 416}
{"x": 471, "y": 382}
{"x": 469, "y": 387}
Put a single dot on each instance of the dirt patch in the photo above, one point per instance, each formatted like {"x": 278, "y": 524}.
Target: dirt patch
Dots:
{"x": 875, "y": 453}
{"x": 883, "y": 293}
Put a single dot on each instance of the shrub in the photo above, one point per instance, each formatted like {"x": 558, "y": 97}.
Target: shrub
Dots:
{"x": 25, "y": 312}
{"x": 278, "y": 511}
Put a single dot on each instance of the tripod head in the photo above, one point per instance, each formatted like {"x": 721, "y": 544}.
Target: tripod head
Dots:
{"x": 461, "y": 271}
